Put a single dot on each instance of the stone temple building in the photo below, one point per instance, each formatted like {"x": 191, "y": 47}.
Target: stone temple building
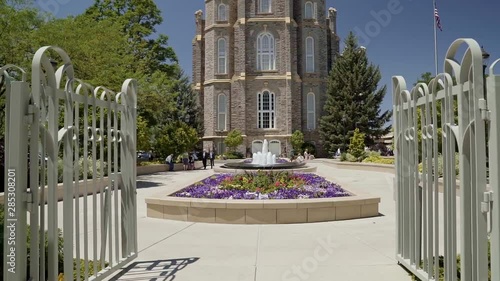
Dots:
{"x": 261, "y": 66}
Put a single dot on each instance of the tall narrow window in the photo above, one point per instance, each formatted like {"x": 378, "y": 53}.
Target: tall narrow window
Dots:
{"x": 311, "y": 111}
{"x": 266, "y": 110}
{"x": 266, "y": 58}
{"x": 222, "y": 57}
{"x": 308, "y": 10}
{"x": 222, "y": 12}
{"x": 264, "y": 6}
{"x": 309, "y": 54}
{"x": 222, "y": 112}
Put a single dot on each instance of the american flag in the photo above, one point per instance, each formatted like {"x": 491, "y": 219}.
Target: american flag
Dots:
{"x": 438, "y": 20}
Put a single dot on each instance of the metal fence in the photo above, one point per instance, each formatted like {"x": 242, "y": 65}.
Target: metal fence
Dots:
{"x": 443, "y": 212}
{"x": 75, "y": 146}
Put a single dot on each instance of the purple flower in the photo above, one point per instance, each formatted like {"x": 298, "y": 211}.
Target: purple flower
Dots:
{"x": 314, "y": 187}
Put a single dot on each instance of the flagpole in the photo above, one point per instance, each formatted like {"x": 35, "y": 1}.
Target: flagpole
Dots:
{"x": 435, "y": 38}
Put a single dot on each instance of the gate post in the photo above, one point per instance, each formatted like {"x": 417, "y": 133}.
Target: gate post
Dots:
{"x": 493, "y": 90}
{"x": 16, "y": 175}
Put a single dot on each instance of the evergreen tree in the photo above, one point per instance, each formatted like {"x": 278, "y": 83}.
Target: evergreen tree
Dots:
{"x": 353, "y": 100}
{"x": 188, "y": 107}
{"x": 357, "y": 145}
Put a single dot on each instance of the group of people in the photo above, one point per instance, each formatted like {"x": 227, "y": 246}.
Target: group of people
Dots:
{"x": 306, "y": 157}
{"x": 189, "y": 158}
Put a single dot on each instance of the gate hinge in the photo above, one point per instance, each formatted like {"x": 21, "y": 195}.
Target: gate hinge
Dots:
{"x": 29, "y": 118}
{"x": 485, "y": 113}
{"x": 487, "y": 202}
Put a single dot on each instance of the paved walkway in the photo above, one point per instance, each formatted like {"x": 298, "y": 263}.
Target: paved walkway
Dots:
{"x": 362, "y": 249}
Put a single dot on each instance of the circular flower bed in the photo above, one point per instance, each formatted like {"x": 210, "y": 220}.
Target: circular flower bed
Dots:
{"x": 263, "y": 185}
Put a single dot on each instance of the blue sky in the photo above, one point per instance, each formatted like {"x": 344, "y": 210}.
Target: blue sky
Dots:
{"x": 401, "y": 44}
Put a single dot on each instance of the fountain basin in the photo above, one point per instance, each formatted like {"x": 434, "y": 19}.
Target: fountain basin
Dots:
{"x": 252, "y": 166}
{"x": 241, "y": 167}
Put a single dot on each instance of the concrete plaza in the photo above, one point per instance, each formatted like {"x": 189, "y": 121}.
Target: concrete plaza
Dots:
{"x": 352, "y": 250}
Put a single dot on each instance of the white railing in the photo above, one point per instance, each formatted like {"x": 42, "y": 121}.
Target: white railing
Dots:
{"x": 455, "y": 110}
{"x": 57, "y": 122}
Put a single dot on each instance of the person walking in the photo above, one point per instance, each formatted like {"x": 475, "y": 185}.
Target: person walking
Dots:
{"x": 170, "y": 162}
{"x": 212, "y": 158}
{"x": 191, "y": 162}
{"x": 204, "y": 158}
{"x": 185, "y": 160}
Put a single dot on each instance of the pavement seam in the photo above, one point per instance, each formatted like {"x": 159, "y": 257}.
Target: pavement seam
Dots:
{"x": 159, "y": 241}
{"x": 257, "y": 253}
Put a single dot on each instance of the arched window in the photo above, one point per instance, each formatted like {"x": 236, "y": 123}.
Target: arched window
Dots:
{"x": 222, "y": 57}
{"x": 311, "y": 111}
{"x": 266, "y": 110}
{"x": 264, "y": 6}
{"x": 222, "y": 112}
{"x": 308, "y": 10}
{"x": 266, "y": 57}
{"x": 309, "y": 54}
{"x": 257, "y": 146}
{"x": 222, "y": 12}
{"x": 275, "y": 147}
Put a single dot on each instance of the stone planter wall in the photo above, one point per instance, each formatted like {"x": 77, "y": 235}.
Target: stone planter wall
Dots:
{"x": 157, "y": 168}
{"x": 262, "y": 211}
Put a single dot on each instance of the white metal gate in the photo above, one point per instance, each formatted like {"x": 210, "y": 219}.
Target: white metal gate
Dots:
{"x": 455, "y": 108}
{"x": 82, "y": 160}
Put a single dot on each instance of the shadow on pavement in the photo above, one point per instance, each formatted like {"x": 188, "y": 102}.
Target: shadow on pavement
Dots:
{"x": 157, "y": 270}
{"x": 147, "y": 184}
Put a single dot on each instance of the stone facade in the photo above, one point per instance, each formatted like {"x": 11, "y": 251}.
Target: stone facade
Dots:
{"x": 257, "y": 69}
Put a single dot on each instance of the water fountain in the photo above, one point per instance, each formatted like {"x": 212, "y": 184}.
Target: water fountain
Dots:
{"x": 263, "y": 160}
{"x": 265, "y": 157}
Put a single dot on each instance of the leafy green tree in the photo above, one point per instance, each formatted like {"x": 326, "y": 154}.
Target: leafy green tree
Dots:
{"x": 176, "y": 138}
{"x": 138, "y": 19}
{"x": 156, "y": 104}
{"x": 98, "y": 50}
{"x": 143, "y": 134}
{"x": 353, "y": 99}
{"x": 357, "y": 145}
{"x": 18, "y": 18}
{"x": 233, "y": 140}
{"x": 425, "y": 77}
{"x": 297, "y": 140}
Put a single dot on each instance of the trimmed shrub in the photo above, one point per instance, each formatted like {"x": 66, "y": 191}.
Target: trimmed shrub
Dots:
{"x": 148, "y": 163}
{"x": 234, "y": 155}
{"x": 375, "y": 157}
{"x": 357, "y": 145}
{"x": 343, "y": 157}
{"x": 351, "y": 158}
{"x": 90, "y": 169}
{"x": 440, "y": 167}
